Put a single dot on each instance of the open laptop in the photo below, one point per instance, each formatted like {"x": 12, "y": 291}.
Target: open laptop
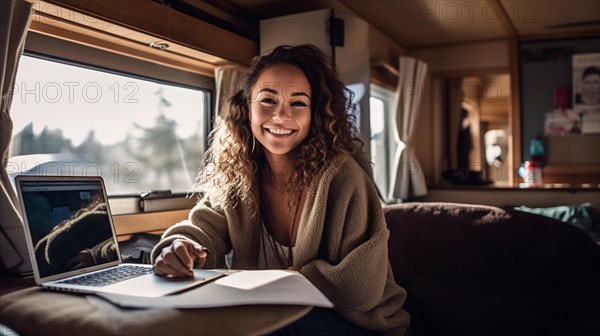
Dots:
{"x": 72, "y": 242}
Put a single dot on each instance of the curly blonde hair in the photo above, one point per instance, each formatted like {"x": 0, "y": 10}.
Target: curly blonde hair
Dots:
{"x": 231, "y": 164}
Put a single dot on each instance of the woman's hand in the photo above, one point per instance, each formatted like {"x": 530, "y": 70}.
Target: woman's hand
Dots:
{"x": 179, "y": 258}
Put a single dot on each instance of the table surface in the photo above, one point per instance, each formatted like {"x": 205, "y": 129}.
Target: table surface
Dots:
{"x": 12, "y": 283}
{"x": 29, "y": 310}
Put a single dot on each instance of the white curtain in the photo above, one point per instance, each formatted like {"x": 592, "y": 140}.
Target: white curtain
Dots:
{"x": 15, "y": 17}
{"x": 407, "y": 179}
{"x": 228, "y": 80}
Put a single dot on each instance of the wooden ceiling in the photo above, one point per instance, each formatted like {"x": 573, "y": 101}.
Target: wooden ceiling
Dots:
{"x": 415, "y": 24}
{"x": 423, "y": 23}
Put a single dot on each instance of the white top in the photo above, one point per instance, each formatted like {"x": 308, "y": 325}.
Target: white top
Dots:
{"x": 272, "y": 254}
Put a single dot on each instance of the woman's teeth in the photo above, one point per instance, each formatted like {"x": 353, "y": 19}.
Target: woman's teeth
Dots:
{"x": 280, "y": 131}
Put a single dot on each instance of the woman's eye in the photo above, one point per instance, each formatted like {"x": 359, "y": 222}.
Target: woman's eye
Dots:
{"x": 267, "y": 101}
{"x": 298, "y": 103}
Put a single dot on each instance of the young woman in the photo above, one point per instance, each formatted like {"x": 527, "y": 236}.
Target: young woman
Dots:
{"x": 286, "y": 185}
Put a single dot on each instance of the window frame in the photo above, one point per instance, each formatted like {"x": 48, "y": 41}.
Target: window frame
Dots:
{"x": 75, "y": 54}
{"x": 387, "y": 96}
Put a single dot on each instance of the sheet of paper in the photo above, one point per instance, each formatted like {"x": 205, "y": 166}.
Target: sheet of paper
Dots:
{"x": 237, "y": 288}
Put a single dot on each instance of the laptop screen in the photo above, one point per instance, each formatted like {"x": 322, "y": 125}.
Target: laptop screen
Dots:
{"x": 69, "y": 224}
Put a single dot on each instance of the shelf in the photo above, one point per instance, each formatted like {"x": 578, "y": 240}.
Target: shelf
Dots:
{"x": 588, "y": 174}
{"x": 571, "y": 187}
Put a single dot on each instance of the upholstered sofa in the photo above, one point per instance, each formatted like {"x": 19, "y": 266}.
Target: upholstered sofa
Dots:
{"x": 479, "y": 270}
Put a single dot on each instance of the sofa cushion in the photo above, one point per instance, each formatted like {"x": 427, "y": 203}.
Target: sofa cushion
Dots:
{"x": 480, "y": 270}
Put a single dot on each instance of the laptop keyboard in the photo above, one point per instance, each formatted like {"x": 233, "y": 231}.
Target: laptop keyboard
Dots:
{"x": 110, "y": 276}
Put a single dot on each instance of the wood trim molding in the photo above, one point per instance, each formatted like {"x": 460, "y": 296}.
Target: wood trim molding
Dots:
{"x": 455, "y": 44}
{"x": 384, "y": 83}
{"x": 588, "y": 174}
{"x": 470, "y": 72}
{"x": 102, "y": 41}
{"x": 514, "y": 117}
{"x": 574, "y": 34}
{"x": 145, "y": 21}
{"x": 384, "y": 75}
{"x": 506, "y": 21}
{"x": 384, "y": 65}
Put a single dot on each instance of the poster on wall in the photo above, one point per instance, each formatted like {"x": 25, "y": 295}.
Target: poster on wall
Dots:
{"x": 586, "y": 91}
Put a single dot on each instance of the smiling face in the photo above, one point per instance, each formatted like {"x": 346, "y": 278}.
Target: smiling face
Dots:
{"x": 280, "y": 111}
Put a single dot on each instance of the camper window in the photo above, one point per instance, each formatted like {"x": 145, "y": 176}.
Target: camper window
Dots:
{"x": 382, "y": 137}
{"x": 137, "y": 131}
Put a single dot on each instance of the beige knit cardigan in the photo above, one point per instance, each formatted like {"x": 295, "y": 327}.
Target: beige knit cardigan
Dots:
{"x": 341, "y": 246}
